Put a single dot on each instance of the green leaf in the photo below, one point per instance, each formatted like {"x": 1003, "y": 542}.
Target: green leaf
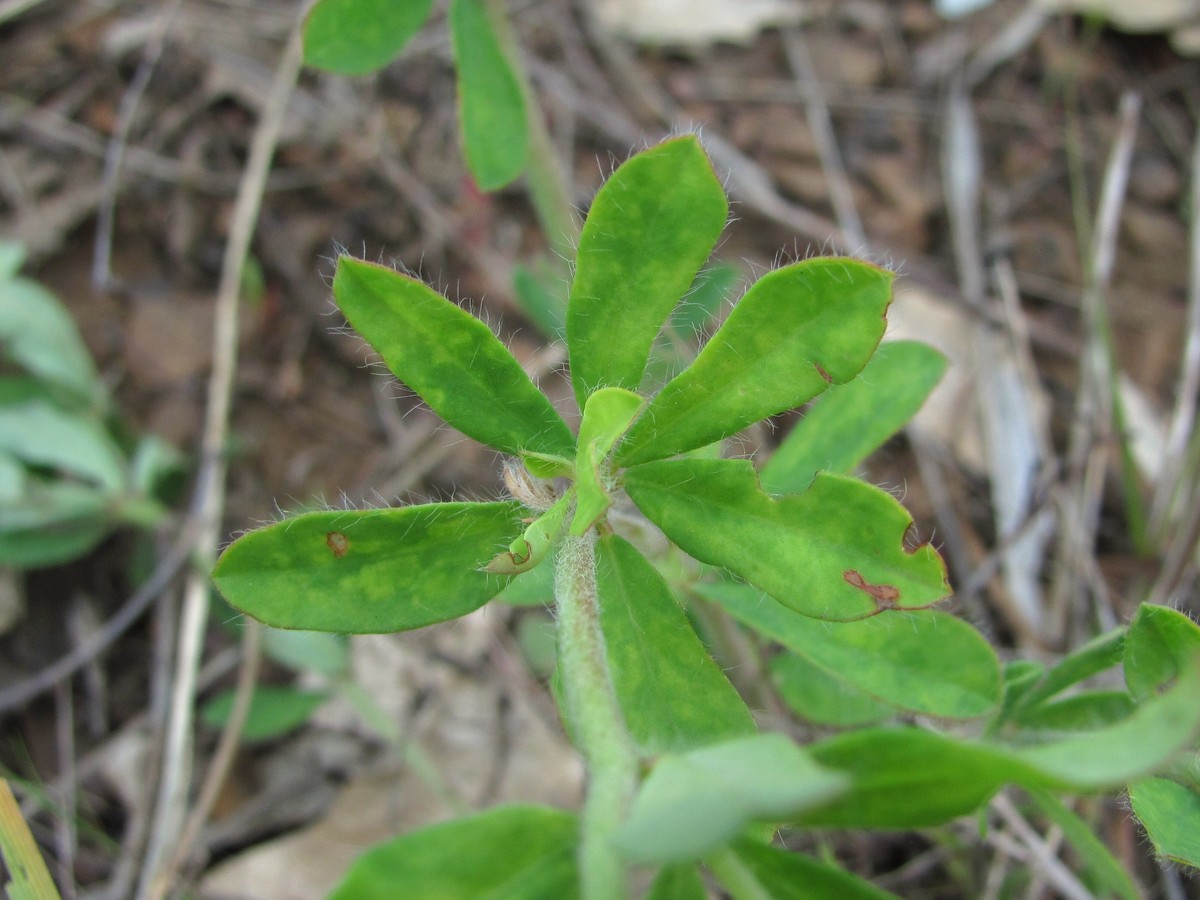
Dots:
{"x": 53, "y": 522}
{"x": 851, "y": 421}
{"x": 532, "y": 588}
{"x": 1159, "y": 644}
{"x": 834, "y": 552}
{"x": 534, "y": 290}
{"x": 606, "y": 415}
{"x": 679, "y": 882}
{"x": 796, "y": 331}
{"x": 451, "y": 359}
{"x": 702, "y": 302}
{"x": 1100, "y": 870}
{"x": 902, "y": 658}
{"x": 674, "y": 696}
{"x": 793, "y": 876}
{"x": 38, "y": 334}
{"x": 535, "y": 542}
{"x": 274, "y": 711}
{"x": 650, "y": 228}
{"x": 45, "y": 435}
{"x": 821, "y": 697}
{"x": 1080, "y": 712}
{"x": 491, "y": 109}
{"x": 354, "y": 37}
{"x": 368, "y": 571}
{"x": 12, "y": 257}
{"x": 694, "y": 803}
{"x": 1170, "y": 813}
{"x": 1101, "y": 653}
{"x": 13, "y": 479}
{"x": 506, "y": 853}
{"x": 911, "y": 778}
{"x": 308, "y": 651}
{"x": 1137, "y": 745}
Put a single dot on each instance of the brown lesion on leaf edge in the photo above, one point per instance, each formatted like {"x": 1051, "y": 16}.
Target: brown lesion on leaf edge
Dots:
{"x": 886, "y": 596}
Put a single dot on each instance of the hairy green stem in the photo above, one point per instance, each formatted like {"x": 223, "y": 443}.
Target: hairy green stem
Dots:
{"x": 595, "y": 718}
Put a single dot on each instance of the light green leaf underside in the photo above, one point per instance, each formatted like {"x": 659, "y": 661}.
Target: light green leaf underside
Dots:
{"x": 673, "y": 695}
{"x": 797, "y": 330}
{"x": 506, "y": 853}
{"x": 833, "y": 552}
{"x": 912, "y": 778}
{"x": 42, "y": 434}
{"x": 451, "y": 360}
{"x": 38, "y": 334}
{"x": 274, "y": 711}
{"x": 369, "y": 571}
{"x": 784, "y": 875}
{"x": 491, "y": 109}
{"x": 693, "y": 803}
{"x": 606, "y": 415}
{"x": 650, "y": 228}
{"x": 53, "y": 522}
{"x": 850, "y": 421}
{"x": 354, "y": 37}
{"x": 1170, "y": 813}
{"x": 901, "y": 658}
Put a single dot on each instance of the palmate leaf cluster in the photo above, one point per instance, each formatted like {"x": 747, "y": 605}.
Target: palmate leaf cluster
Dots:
{"x": 800, "y": 553}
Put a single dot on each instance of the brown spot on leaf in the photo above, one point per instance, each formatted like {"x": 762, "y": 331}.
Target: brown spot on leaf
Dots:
{"x": 884, "y": 595}
{"x": 338, "y": 543}
{"x": 821, "y": 371}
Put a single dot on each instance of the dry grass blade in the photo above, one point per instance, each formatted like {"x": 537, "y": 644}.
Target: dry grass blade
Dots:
{"x": 1089, "y": 451}
{"x": 1007, "y": 391}
{"x": 1177, "y": 485}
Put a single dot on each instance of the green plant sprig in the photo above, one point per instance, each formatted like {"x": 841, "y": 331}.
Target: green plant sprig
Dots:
{"x": 818, "y": 565}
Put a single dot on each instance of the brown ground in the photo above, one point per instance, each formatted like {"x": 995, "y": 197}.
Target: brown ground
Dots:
{"x": 372, "y": 165}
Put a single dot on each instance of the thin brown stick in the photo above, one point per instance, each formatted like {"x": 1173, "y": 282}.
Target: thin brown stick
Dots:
{"x": 1041, "y": 857}
{"x": 841, "y": 195}
{"x": 223, "y": 756}
{"x": 209, "y": 490}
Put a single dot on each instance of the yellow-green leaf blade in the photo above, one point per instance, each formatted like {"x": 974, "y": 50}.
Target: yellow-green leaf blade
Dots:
{"x": 451, "y": 360}
{"x": 369, "y": 571}
{"x": 834, "y": 552}
{"x": 796, "y": 331}
{"x": 650, "y": 229}
{"x": 674, "y": 696}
